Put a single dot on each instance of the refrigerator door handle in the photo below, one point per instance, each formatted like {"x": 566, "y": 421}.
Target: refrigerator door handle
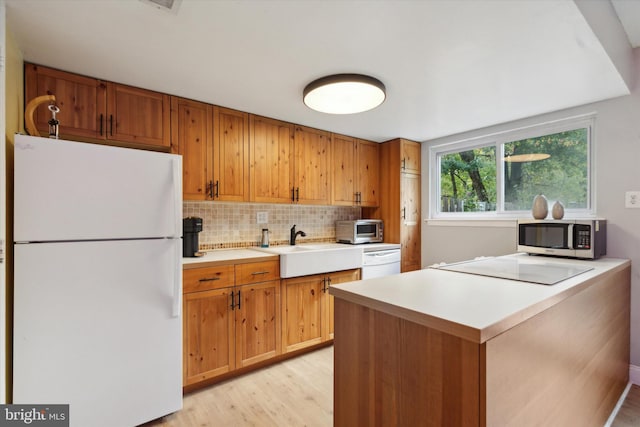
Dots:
{"x": 177, "y": 194}
{"x": 177, "y": 281}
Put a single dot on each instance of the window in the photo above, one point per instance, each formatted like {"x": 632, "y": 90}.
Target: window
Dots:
{"x": 502, "y": 173}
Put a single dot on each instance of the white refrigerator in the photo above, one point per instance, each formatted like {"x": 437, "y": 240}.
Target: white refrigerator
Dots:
{"x": 98, "y": 281}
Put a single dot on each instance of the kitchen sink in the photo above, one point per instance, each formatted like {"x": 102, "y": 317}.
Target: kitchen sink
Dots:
{"x": 303, "y": 260}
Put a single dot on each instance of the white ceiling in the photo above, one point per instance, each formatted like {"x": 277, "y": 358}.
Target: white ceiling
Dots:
{"x": 448, "y": 65}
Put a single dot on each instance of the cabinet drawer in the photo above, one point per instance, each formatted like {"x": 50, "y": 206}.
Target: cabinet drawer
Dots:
{"x": 256, "y": 272}
{"x": 202, "y": 279}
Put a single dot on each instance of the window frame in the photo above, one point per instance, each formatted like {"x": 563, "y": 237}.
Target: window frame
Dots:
{"x": 498, "y": 140}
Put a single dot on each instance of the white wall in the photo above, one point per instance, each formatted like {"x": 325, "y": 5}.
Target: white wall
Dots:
{"x": 617, "y": 170}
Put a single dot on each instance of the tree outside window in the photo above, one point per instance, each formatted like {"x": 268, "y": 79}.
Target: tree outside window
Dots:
{"x": 506, "y": 174}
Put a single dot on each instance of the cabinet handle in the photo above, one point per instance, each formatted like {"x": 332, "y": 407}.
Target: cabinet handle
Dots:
{"x": 255, "y": 273}
{"x": 217, "y": 188}
{"x": 239, "y": 300}
{"x": 293, "y": 194}
{"x": 101, "y": 119}
{"x": 404, "y": 213}
{"x": 209, "y": 279}
{"x": 210, "y": 189}
{"x": 111, "y": 124}
{"x": 404, "y": 163}
{"x": 297, "y": 194}
{"x": 233, "y": 301}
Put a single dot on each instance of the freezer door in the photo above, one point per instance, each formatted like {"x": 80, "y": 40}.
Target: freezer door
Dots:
{"x": 77, "y": 191}
{"x": 95, "y": 327}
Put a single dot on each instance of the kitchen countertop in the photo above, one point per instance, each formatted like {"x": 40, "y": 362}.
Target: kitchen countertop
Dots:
{"x": 473, "y": 307}
{"x": 227, "y": 256}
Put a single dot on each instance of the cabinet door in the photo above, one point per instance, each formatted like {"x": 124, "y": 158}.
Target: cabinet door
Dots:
{"x": 335, "y": 279}
{"x": 258, "y": 323}
{"x": 271, "y": 154}
{"x": 82, "y": 102}
{"x": 312, "y": 166}
{"x": 208, "y": 335}
{"x": 368, "y": 173}
{"x": 138, "y": 116}
{"x": 302, "y": 316}
{"x": 230, "y": 155}
{"x": 191, "y": 137}
{"x": 343, "y": 151}
{"x": 410, "y": 221}
{"x": 410, "y": 156}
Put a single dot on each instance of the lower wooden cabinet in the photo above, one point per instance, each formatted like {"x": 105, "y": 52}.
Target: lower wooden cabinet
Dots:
{"x": 229, "y": 327}
{"x": 307, "y": 308}
{"x": 239, "y": 315}
{"x": 208, "y": 335}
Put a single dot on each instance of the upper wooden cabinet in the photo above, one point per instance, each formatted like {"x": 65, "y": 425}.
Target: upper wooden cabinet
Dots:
{"x": 138, "y": 116}
{"x": 409, "y": 156}
{"x": 230, "y": 155}
{"x": 312, "y": 154}
{"x": 355, "y": 171}
{"x": 192, "y": 137}
{"x": 289, "y": 164}
{"x": 271, "y": 154}
{"x": 82, "y": 102}
{"x": 213, "y": 142}
{"x": 97, "y": 111}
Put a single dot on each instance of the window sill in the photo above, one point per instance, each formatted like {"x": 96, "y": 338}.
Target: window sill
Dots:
{"x": 469, "y": 222}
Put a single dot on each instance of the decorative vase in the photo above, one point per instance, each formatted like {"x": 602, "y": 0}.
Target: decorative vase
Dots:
{"x": 557, "y": 211}
{"x": 540, "y": 207}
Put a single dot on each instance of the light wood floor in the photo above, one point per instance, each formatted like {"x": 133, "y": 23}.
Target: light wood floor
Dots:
{"x": 297, "y": 392}
{"x": 629, "y": 414}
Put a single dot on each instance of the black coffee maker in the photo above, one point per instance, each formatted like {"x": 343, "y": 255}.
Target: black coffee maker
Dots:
{"x": 191, "y": 226}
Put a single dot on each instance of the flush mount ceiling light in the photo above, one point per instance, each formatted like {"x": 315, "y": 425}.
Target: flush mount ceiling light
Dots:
{"x": 344, "y": 94}
{"x": 533, "y": 157}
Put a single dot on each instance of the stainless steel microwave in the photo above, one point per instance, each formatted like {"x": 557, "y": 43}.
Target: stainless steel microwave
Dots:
{"x": 359, "y": 231}
{"x": 580, "y": 238}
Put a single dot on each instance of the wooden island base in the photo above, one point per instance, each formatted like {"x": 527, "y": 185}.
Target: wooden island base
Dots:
{"x": 566, "y": 366}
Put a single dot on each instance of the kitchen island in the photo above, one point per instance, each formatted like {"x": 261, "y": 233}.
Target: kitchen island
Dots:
{"x": 436, "y": 347}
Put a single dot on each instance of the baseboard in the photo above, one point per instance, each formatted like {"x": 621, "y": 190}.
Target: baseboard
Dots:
{"x": 634, "y": 374}
{"x": 616, "y": 409}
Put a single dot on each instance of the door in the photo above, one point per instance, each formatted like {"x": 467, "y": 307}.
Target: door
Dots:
{"x": 343, "y": 150}
{"x": 303, "y": 316}
{"x": 82, "y": 101}
{"x": 312, "y": 171}
{"x": 98, "y": 325}
{"x": 139, "y": 116}
{"x": 67, "y": 190}
{"x": 368, "y": 173}
{"x": 231, "y": 155}
{"x": 410, "y": 221}
{"x": 257, "y": 321}
{"x": 335, "y": 279}
{"x": 271, "y": 173}
{"x": 208, "y": 335}
{"x": 191, "y": 137}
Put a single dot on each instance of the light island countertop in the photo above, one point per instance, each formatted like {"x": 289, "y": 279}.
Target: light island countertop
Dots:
{"x": 476, "y": 308}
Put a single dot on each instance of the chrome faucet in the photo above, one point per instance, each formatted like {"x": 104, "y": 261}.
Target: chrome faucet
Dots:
{"x": 294, "y": 234}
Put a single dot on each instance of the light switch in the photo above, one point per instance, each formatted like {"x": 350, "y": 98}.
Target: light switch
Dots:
{"x": 632, "y": 199}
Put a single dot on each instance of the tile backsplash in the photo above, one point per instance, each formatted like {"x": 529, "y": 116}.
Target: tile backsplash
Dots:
{"x": 234, "y": 225}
